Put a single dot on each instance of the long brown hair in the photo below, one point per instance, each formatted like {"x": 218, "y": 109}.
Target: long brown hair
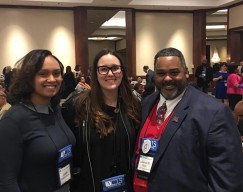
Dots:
{"x": 90, "y": 102}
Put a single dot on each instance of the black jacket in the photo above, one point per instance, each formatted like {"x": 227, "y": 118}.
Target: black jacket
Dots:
{"x": 97, "y": 158}
{"x": 208, "y": 78}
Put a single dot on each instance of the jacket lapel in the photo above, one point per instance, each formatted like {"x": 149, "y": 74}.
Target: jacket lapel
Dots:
{"x": 173, "y": 125}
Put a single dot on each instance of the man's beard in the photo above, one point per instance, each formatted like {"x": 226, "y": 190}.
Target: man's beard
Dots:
{"x": 176, "y": 92}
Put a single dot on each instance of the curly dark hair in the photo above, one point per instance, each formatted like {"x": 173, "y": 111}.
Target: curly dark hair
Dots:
{"x": 21, "y": 87}
{"x": 90, "y": 103}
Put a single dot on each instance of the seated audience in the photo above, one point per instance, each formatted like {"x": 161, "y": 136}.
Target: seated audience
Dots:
{"x": 82, "y": 85}
{"x": 4, "y": 105}
{"x": 149, "y": 88}
{"x": 139, "y": 80}
{"x": 138, "y": 90}
{"x": 2, "y": 87}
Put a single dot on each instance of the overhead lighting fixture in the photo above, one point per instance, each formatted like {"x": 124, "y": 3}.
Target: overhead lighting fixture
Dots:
{"x": 222, "y": 11}
{"x": 96, "y": 38}
{"x": 104, "y": 38}
{"x": 216, "y": 27}
{"x": 215, "y": 58}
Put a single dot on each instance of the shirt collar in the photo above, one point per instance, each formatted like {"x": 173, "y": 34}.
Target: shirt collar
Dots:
{"x": 40, "y": 108}
{"x": 171, "y": 104}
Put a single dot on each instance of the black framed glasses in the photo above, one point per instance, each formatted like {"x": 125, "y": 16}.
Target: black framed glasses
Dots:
{"x": 104, "y": 70}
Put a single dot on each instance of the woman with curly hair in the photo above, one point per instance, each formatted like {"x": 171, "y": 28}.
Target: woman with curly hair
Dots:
{"x": 35, "y": 142}
{"x": 106, "y": 120}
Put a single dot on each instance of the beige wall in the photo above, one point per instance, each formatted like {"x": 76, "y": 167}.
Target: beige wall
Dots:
{"x": 221, "y": 46}
{"x": 121, "y": 44}
{"x": 155, "y": 31}
{"x": 96, "y": 46}
{"x": 236, "y": 17}
{"x": 24, "y": 29}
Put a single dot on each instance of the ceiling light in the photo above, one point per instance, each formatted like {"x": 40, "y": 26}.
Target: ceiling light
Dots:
{"x": 222, "y": 11}
{"x": 104, "y": 38}
{"x": 215, "y": 58}
{"x": 96, "y": 38}
{"x": 216, "y": 27}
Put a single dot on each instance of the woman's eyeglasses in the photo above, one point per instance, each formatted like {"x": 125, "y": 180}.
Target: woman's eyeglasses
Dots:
{"x": 104, "y": 70}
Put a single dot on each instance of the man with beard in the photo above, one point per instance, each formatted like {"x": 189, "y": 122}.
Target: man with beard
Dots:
{"x": 192, "y": 143}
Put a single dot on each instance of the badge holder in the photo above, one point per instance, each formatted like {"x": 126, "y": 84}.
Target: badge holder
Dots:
{"x": 114, "y": 184}
{"x": 148, "y": 149}
{"x": 64, "y": 164}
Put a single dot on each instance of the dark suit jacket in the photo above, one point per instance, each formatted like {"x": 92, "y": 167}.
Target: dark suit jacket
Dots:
{"x": 150, "y": 76}
{"x": 200, "y": 149}
{"x": 209, "y": 75}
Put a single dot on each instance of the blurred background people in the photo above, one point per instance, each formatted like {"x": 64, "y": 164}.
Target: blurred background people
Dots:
{"x": 2, "y": 86}
{"x": 149, "y": 88}
{"x": 88, "y": 77}
{"x": 79, "y": 74}
{"x": 2, "y": 78}
{"x": 138, "y": 89}
{"x": 82, "y": 85}
{"x": 220, "y": 77}
{"x": 234, "y": 84}
{"x": 149, "y": 74}
{"x": 139, "y": 79}
{"x": 69, "y": 82}
{"x": 204, "y": 75}
{"x": 4, "y": 105}
{"x": 35, "y": 140}
{"x": 7, "y": 77}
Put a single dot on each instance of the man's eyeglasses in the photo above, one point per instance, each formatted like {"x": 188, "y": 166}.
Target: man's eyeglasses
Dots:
{"x": 104, "y": 70}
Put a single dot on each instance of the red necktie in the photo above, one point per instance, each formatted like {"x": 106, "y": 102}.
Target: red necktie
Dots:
{"x": 161, "y": 114}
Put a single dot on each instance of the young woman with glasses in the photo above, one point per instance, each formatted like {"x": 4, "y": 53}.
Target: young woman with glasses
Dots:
{"x": 105, "y": 124}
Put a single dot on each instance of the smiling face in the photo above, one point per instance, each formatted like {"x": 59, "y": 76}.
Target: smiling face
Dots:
{"x": 170, "y": 76}
{"x": 47, "y": 82}
{"x": 109, "y": 81}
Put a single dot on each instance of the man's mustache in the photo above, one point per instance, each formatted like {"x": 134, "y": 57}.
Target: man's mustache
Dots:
{"x": 169, "y": 83}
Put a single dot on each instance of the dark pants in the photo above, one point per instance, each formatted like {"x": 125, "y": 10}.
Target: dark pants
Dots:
{"x": 233, "y": 100}
{"x": 204, "y": 88}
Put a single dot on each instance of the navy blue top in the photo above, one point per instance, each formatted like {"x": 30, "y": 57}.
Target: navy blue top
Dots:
{"x": 29, "y": 141}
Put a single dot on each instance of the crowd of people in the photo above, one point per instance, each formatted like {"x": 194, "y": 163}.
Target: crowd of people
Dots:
{"x": 113, "y": 134}
{"x": 226, "y": 82}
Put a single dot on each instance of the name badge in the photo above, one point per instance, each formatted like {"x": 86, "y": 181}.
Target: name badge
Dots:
{"x": 65, "y": 153}
{"x": 149, "y": 146}
{"x": 63, "y": 164}
{"x": 148, "y": 149}
{"x": 145, "y": 163}
{"x": 114, "y": 183}
{"x": 64, "y": 174}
